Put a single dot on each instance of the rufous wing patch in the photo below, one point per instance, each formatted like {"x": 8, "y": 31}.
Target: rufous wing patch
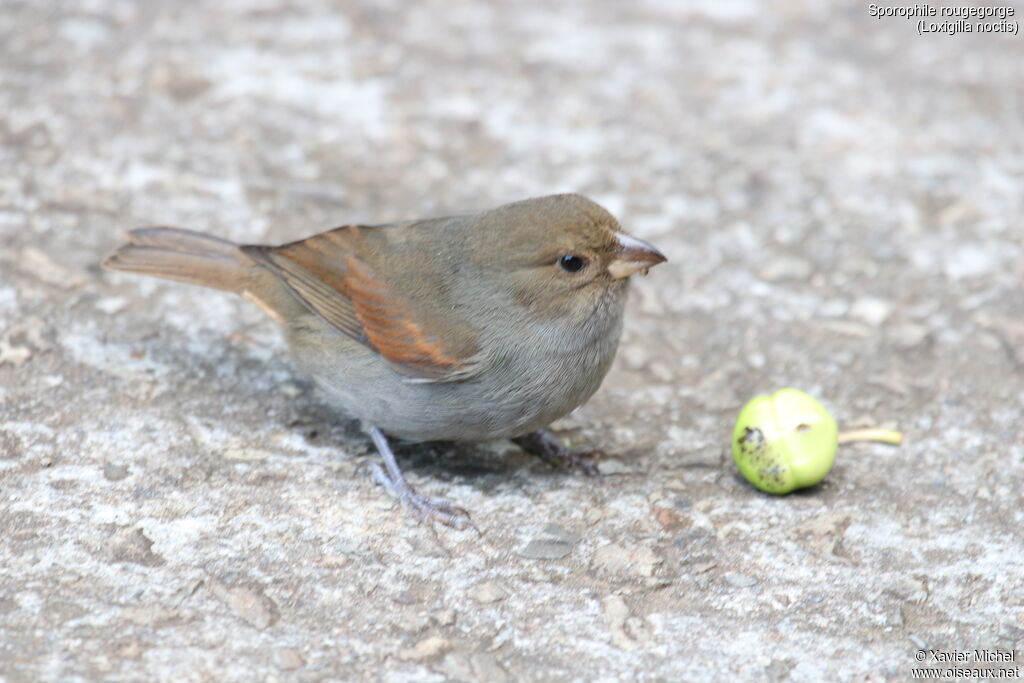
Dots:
{"x": 314, "y": 270}
{"x": 325, "y": 273}
{"x": 390, "y": 325}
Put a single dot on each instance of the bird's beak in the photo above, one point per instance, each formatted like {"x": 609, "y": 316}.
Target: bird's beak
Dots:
{"x": 632, "y": 256}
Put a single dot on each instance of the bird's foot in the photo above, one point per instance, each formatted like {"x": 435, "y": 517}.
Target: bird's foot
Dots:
{"x": 430, "y": 509}
{"x": 549, "y": 449}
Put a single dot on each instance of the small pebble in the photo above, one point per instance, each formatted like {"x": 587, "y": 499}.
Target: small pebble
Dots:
{"x": 619, "y": 560}
{"x": 112, "y": 472}
{"x": 239, "y": 452}
{"x": 635, "y": 357}
{"x": 43, "y": 267}
{"x": 248, "y": 603}
{"x": 740, "y": 580}
{"x": 662, "y": 372}
{"x": 560, "y": 533}
{"x": 545, "y": 549}
{"x": 779, "y": 669}
{"x": 786, "y": 267}
{"x": 871, "y": 310}
{"x": 908, "y": 335}
{"x": 488, "y": 592}
{"x": 668, "y": 518}
{"x": 425, "y": 649}
{"x": 613, "y": 466}
{"x": 445, "y": 617}
{"x": 833, "y": 308}
{"x": 487, "y": 668}
{"x": 288, "y": 659}
{"x": 111, "y": 305}
{"x": 456, "y": 666}
{"x": 969, "y": 260}
{"x": 909, "y": 588}
{"x": 13, "y": 354}
{"x": 628, "y": 632}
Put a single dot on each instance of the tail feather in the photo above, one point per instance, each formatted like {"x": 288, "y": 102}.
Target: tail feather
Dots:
{"x": 185, "y": 256}
{"x": 200, "y": 259}
{"x": 179, "y": 239}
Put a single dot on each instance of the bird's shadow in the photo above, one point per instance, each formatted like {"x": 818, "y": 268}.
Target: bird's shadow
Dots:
{"x": 483, "y": 467}
{"x": 448, "y": 461}
{"x": 477, "y": 464}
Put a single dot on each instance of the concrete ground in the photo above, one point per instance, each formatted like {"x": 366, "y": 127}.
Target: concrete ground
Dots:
{"x": 842, "y": 203}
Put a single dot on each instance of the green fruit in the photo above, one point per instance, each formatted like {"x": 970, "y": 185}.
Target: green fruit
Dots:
{"x": 785, "y": 441}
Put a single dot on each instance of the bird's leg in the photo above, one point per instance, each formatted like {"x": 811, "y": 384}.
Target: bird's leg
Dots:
{"x": 549, "y": 449}
{"x": 390, "y": 477}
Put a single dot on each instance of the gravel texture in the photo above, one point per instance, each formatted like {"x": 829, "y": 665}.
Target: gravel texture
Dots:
{"x": 842, "y": 203}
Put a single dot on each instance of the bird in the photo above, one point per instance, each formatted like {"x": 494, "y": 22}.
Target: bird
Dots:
{"x": 460, "y": 328}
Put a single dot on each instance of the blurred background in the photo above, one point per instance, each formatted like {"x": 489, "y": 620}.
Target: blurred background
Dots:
{"x": 841, "y": 201}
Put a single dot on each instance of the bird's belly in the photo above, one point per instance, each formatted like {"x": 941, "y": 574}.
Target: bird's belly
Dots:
{"x": 456, "y": 411}
{"x": 511, "y": 399}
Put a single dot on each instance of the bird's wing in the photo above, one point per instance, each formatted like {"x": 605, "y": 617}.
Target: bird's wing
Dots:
{"x": 331, "y": 274}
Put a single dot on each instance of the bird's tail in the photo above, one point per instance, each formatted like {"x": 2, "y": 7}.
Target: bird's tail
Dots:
{"x": 200, "y": 259}
{"x": 184, "y": 255}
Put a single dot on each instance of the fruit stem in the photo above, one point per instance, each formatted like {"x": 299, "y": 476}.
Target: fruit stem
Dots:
{"x": 872, "y": 434}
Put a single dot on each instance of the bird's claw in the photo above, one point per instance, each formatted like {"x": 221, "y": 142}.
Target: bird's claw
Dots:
{"x": 546, "y": 447}
{"x": 428, "y": 509}
{"x": 582, "y": 461}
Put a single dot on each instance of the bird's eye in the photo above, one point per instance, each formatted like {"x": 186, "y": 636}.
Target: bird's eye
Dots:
{"x": 571, "y": 263}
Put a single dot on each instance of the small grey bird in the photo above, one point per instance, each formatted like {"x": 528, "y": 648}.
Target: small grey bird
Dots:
{"x": 474, "y": 327}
